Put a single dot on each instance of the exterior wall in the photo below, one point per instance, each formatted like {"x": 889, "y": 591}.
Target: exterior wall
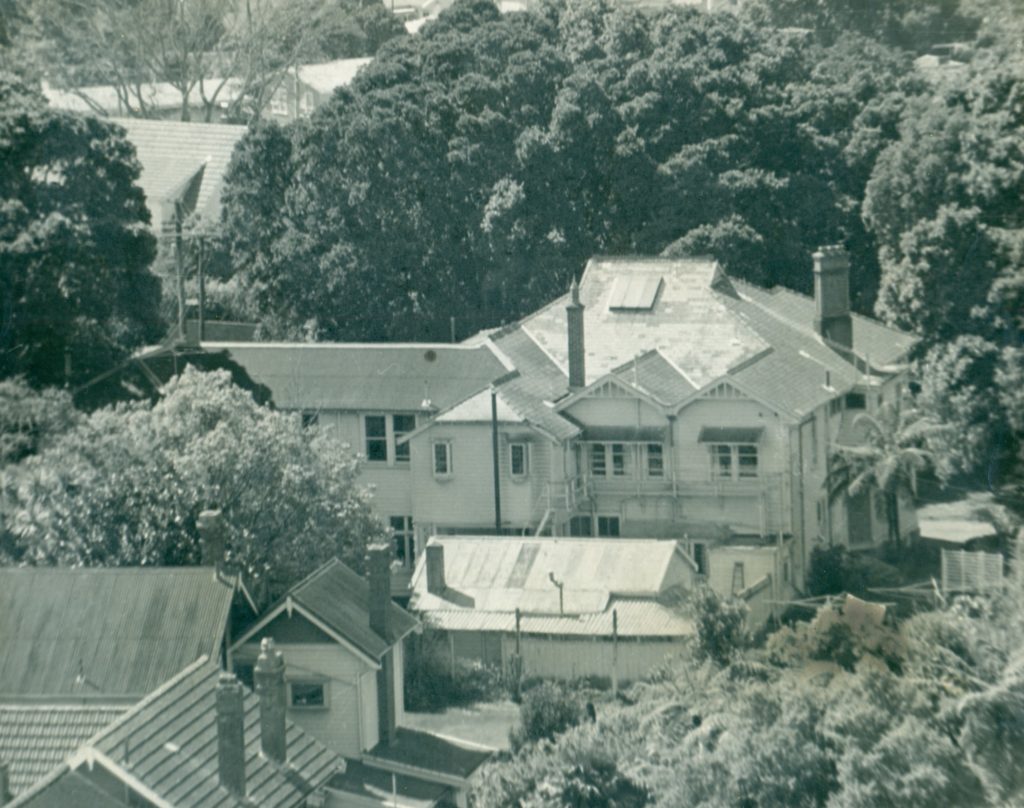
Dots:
{"x": 572, "y": 658}
{"x": 762, "y": 596}
{"x": 465, "y": 499}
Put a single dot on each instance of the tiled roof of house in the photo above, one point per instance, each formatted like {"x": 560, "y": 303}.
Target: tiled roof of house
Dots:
{"x": 503, "y": 573}
{"x": 331, "y": 376}
{"x": 68, "y": 789}
{"x": 429, "y": 753}
{"x": 36, "y": 737}
{"x": 341, "y": 599}
{"x": 173, "y": 152}
{"x": 106, "y": 632}
{"x": 167, "y": 742}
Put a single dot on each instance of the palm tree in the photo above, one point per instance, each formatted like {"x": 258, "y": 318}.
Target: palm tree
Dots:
{"x": 888, "y": 459}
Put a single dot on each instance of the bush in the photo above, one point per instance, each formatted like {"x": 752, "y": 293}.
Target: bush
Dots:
{"x": 431, "y": 685}
{"x": 547, "y": 710}
{"x": 721, "y": 626}
{"x": 598, "y": 783}
{"x": 833, "y": 571}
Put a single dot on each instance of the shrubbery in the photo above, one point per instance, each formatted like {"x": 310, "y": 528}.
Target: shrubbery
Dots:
{"x": 721, "y": 626}
{"x": 432, "y": 685}
{"x": 547, "y": 710}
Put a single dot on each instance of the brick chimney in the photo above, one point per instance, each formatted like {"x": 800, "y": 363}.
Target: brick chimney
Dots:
{"x": 577, "y": 359}
{"x": 435, "y": 569}
{"x": 832, "y": 295}
{"x": 212, "y": 540}
{"x": 380, "y": 623}
{"x": 269, "y": 679}
{"x": 231, "y": 734}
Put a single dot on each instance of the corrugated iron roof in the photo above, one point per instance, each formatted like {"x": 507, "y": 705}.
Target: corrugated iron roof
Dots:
{"x": 35, "y": 738}
{"x": 168, "y": 741}
{"x": 503, "y": 573}
{"x": 361, "y": 377}
{"x": 106, "y": 631}
{"x": 171, "y": 152}
{"x": 341, "y": 599}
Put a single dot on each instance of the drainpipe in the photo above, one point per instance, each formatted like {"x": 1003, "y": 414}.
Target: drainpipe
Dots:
{"x": 497, "y": 467}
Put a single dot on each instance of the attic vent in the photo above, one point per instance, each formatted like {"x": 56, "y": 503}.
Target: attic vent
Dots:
{"x": 634, "y": 293}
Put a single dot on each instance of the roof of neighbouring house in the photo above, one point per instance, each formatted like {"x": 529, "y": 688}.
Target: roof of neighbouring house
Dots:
{"x": 106, "y": 632}
{"x": 359, "y": 377}
{"x": 384, "y": 787}
{"x": 340, "y": 599}
{"x": 173, "y": 153}
{"x": 325, "y": 77}
{"x": 488, "y": 577}
{"x": 428, "y": 754}
{"x": 36, "y": 737}
{"x": 167, "y": 743}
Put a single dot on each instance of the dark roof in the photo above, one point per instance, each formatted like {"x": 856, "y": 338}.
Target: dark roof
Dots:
{"x": 168, "y": 742}
{"x": 35, "y": 738}
{"x": 326, "y": 376}
{"x": 172, "y": 155}
{"x": 68, "y": 789}
{"x": 369, "y": 782}
{"x": 428, "y": 753}
{"x": 106, "y": 632}
{"x": 653, "y": 373}
{"x": 340, "y": 598}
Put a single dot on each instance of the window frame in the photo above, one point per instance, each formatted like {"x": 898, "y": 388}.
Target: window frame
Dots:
{"x": 658, "y": 455}
{"x": 309, "y": 681}
{"x": 608, "y": 518}
{"x": 381, "y": 439}
{"x": 731, "y": 453}
{"x": 524, "y": 448}
{"x": 597, "y": 452}
{"x": 404, "y": 537}
{"x": 402, "y": 450}
{"x": 449, "y": 468}
{"x": 580, "y": 519}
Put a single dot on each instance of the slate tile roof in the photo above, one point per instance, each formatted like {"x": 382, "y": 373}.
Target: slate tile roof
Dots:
{"x": 173, "y": 152}
{"x": 116, "y": 632}
{"x": 383, "y": 377}
{"x": 68, "y": 789}
{"x": 340, "y": 598}
{"x": 36, "y": 737}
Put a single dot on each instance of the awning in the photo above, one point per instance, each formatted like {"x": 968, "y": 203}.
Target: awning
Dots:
{"x": 955, "y": 531}
{"x": 730, "y": 434}
{"x": 625, "y": 434}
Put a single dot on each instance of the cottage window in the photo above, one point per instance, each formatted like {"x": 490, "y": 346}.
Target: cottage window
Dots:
{"x": 598, "y": 466}
{"x": 307, "y": 695}
{"x": 519, "y": 459}
{"x": 376, "y": 437}
{"x": 655, "y": 460}
{"x": 733, "y": 461}
{"x": 404, "y": 540}
{"x": 402, "y": 425}
{"x": 442, "y": 459}
{"x": 581, "y": 526}
{"x": 618, "y": 452}
{"x": 608, "y": 526}
{"x": 855, "y": 401}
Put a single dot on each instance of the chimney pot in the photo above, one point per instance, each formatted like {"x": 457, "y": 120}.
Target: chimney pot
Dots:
{"x": 577, "y": 349}
{"x": 832, "y": 295}
{"x": 269, "y": 680}
{"x": 211, "y": 537}
{"x": 435, "y": 569}
{"x": 231, "y": 733}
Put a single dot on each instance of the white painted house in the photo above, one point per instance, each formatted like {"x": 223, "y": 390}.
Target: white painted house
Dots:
{"x": 658, "y": 399}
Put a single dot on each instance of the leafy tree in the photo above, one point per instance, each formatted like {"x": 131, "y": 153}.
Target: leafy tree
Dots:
{"x": 125, "y": 486}
{"x": 721, "y": 625}
{"x": 889, "y": 458}
{"x": 31, "y": 420}
{"x": 546, "y": 710}
{"x": 75, "y": 291}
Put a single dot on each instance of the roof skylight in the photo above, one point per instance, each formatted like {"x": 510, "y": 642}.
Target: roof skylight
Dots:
{"x": 634, "y": 292}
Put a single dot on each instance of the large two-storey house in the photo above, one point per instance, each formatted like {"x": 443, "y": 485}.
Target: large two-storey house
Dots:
{"x": 659, "y": 398}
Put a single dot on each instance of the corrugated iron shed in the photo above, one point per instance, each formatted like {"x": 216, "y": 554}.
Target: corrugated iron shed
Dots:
{"x": 36, "y": 737}
{"x": 106, "y": 632}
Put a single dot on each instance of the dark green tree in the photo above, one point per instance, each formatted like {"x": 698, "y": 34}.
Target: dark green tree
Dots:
{"x": 76, "y": 294}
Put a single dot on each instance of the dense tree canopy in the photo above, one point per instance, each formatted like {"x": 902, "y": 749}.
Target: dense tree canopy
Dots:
{"x": 75, "y": 247}
{"x": 125, "y": 486}
{"x": 474, "y": 168}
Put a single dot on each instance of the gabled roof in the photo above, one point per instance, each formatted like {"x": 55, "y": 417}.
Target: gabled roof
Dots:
{"x": 361, "y": 377}
{"x": 171, "y": 154}
{"x": 106, "y": 632}
{"x": 503, "y": 573}
{"x": 36, "y": 737}
{"x": 167, "y": 745}
{"x": 340, "y": 599}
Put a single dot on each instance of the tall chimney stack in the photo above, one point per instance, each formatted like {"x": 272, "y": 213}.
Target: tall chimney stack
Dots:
{"x": 269, "y": 679}
{"x": 435, "y": 569}
{"x": 380, "y": 623}
{"x": 577, "y": 355}
{"x": 212, "y": 540}
{"x": 832, "y": 295}
{"x": 231, "y": 734}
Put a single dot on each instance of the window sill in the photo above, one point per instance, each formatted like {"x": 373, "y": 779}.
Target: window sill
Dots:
{"x": 443, "y": 478}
